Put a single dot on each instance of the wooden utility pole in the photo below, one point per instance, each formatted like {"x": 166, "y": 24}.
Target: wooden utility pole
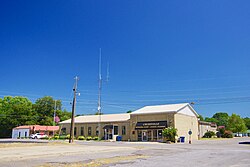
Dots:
{"x": 72, "y": 126}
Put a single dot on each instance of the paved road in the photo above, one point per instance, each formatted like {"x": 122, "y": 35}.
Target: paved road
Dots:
{"x": 201, "y": 153}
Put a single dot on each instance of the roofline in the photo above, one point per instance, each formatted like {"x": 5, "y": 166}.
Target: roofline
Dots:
{"x": 148, "y": 113}
{"x": 98, "y": 116}
{"x": 92, "y": 122}
{"x": 187, "y": 104}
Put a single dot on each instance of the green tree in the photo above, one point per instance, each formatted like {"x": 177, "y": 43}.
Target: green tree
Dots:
{"x": 201, "y": 118}
{"x": 129, "y": 111}
{"x": 63, "y": 115}
{"x": 15, "y": 111}
{"x": 236, "y": 124}
{"x": 45, "y": 107}
{"x": 207, "y": 119}
{"x": 222, "y": 118}
{"x": 170, "y": 134}
{"x": 247, "y": 122}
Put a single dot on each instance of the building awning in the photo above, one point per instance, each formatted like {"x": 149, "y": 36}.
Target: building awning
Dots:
{"x": 151, "y": 125}
{"x": 108, "y": 127}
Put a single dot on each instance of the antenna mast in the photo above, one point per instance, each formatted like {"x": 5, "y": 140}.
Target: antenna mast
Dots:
{"x": 99, "y": 94}
{"x": 107, "y": 79}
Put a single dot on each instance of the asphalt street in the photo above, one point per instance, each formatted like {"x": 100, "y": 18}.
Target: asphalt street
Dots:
{"x": 227, "y": 152}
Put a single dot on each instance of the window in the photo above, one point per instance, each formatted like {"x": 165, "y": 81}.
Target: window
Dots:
{"x": 149, "y": 135}
{"x": 154, "y": 135}
{"x": 25, "y": 134}
{"x": 123, "y": 130}
{"x": 82, "y": 131}
{"x": 159, "y": 134}
{"x": 115, "y": 130}
{"x": 139, "y": 135}
{"x": 97, "y": 131}
{"x": 89, "y": 131}
{"x": 19, "y": 134}
{"x": 75, "y": 131}
{"x": 63, "y": 131}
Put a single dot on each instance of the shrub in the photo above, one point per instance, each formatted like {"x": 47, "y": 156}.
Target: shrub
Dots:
{"x": 81, "y": 138}
{"x": 96, "y": 138}
{"x": 63, "y": 137}
{"x": 45, "y": 138}
{"x": 89, "y": 138}
{"x": 227, "y": 134}
{"x": 68, "y": 136}
{"x": 220, "y": 132}
{"x": 170, "y": 134}
{"x": 56, "y": 137}
{"x": 209, "y": 134}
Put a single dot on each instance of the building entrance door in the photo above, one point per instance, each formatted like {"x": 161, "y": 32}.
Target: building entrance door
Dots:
{"x": 144, "y": 135}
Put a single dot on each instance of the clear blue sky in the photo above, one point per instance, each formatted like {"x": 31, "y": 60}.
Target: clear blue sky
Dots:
{"x": 160, "y": 52}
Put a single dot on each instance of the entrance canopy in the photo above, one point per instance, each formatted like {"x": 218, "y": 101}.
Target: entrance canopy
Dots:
{"x": 108, "y": 127}
{"x": 151, "y": 125}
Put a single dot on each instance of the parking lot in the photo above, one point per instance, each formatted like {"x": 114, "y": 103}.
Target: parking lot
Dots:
{"x": 220, "y": 152}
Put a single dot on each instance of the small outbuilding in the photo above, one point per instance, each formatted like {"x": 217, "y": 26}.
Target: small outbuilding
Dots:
{"x": 205, "y": 127}
{"x": 26, "y": 130}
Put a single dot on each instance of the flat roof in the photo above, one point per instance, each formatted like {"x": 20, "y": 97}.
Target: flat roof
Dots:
{"x": 38, "y": 127}
{"x": 96, "y": 118}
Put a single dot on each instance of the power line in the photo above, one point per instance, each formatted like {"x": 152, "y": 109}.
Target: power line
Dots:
{"x": 129, "y": 91}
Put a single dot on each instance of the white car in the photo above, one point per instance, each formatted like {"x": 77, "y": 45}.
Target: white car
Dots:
{"x": 38, "y": 136}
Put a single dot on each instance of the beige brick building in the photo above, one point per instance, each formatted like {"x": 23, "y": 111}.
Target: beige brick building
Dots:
{"x": 145, "y": 124}
{"x": 205, "y": 127}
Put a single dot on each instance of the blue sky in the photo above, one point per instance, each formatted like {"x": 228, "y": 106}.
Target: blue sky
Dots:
{"x": 159, "y": 52}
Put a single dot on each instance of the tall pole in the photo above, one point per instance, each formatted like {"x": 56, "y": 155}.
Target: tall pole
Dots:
{"x": 54, "y": 122}
{"x": 72, "y": 126}
{"x": 99, "y": 94}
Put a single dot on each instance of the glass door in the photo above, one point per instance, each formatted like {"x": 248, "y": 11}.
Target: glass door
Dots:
{"x": 149, "y": 135}
{"x": 144, "y": 135}
{"x": 139, "y": 135}
{"x": 159, "y": 135}
{"x": 154, "y": 135}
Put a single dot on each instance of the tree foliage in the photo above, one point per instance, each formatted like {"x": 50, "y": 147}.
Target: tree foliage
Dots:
{"x": 247, "y": 122}
{"x": 227, "y": 134}
{"x": 170, "y": 134}
{"x": 207, "y": 119}
{"x": 201, "y": 118}
{"x": 236, "y": 124}
{"x": 209, "y": 134}
{"x": 17, "y": 111}
{"x": 233, "y": 123}
{"x": 221, "y": 118}
{"x": 45, "y": 108}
